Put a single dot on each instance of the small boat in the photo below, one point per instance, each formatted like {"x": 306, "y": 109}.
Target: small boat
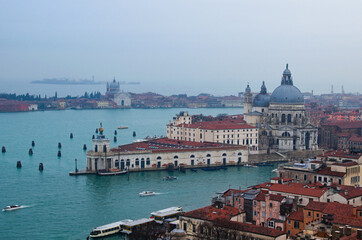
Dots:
{"x": 122, "y": 127}
{"x": 193, "y": 170}
{"x": 112, "y": 172}
{"x": 12, "y": 208}
{"x": 146, "y": 193}
{"x": 169, "y": 178}
{"x": 250, "y": 166}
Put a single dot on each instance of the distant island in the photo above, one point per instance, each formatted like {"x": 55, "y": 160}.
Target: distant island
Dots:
{"x": 66, "y": 81}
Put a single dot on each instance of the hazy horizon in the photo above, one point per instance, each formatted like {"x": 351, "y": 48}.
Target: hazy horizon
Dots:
{"x": 175, "y": 47}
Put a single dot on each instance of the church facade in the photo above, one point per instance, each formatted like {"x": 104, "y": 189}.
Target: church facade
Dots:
{"x": 281, "y": 117}
{"x": 120, "y": 98}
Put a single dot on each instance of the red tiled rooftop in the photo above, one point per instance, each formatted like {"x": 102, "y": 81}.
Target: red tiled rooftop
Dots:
{"x": 355, "y": 139}
{"x": 331, "y": 208}
{"x": 346, "y": 164}
{"x": 344, "y": 124}
{"x": 211, "y": 213}
{"x": 251, "y": 228}
{"x": 351, "y": 221}
{"x": 172, "y": 145}
{"x": 273, "y": 197}
{"x": 327, "y": 171}
{"x": 235, "y": 191}
{"x": 316, "y": 206}
{"x": 297, "y": 216}
{"x": 341, "y": 154}
{"x": 351, "y": 193}
{"x": 297, "y": 189}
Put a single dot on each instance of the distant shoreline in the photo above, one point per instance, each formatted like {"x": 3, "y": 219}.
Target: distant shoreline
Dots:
{"x": 66, "y": 82}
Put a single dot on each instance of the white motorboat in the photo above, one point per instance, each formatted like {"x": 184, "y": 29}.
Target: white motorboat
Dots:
{"x": 146, "y": 193}
{"x": 169, "y": 178}
{"x": 12, "y": 208}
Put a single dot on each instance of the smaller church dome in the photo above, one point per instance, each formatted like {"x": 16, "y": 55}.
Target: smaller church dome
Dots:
{"x": 263, "y": 98}
{"x": 114, "y": 84}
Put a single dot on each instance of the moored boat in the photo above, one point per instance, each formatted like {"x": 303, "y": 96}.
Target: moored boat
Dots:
{"x": 11, "y": 208}
{"x": 112, "y": 172}
{"x": 122, "y": 127}
{"x": 250, "y": 166}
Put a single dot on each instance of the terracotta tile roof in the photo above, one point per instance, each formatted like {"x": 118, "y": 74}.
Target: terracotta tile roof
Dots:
{"x": 316, "y": 206}
{"x": 351, "y": 221}
{"x": 353, "y": 236}
{"x": 346, "y": 164}
{"x": 355, "y": 138}
{"x": 172, "y": 145}
{"x": 327, "y": 171}
{"x": 297, "y": 189}
{"x": 341, "y": 154}
{"x": 246, "y": 227}
{"x": 351, "y": 193}
{"x": 344, "y": 124}
{"x": 273, "y": 197}
{"x": 331, "y": 208}
{"x": 211, "y": 213}
{"x": 297, "y": 216}
{"x": 236, "y": 192}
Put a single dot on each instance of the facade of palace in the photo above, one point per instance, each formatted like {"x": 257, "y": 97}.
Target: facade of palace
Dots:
{"x": 160, "y": 153}
{"x": 227, "y": 131}
{"x": 281, "y": 117}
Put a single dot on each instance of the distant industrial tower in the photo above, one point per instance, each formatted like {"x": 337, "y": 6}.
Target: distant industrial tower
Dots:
{"x": 248, "y": 100}
{"x": 342, "y": 90}
{"x": 332, "y": 89}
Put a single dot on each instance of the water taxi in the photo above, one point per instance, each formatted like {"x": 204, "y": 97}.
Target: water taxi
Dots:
{"x": 146, "y": 193}
{"x": 11, "y": 208}
{"x": 169, "y": 214}
{"x": 108, "y": 229}
{"x": 135, "y": 225}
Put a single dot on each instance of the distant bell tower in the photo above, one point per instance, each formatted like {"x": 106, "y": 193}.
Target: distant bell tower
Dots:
{"x": 248, "y": 100}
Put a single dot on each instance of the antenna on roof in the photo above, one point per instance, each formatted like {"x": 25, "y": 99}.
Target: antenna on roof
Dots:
{"x": 287, "y": 66}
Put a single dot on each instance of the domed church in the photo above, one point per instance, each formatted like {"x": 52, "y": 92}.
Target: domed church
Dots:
{"x": 281, "y": 117}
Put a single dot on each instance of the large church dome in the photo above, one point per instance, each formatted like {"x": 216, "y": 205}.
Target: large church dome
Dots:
{"x": 286, "y": 93}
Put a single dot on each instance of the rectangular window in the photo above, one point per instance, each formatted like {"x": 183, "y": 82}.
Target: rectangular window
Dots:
{"x": 270, "y": 205}
{"x": 255, "y": 213}
{"x": 309, "y": 214}
{"x": 185, "y": 227}
{"x": 296, "y": 224}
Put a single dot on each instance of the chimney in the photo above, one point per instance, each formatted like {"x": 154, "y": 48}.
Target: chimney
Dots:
{"x": 341, "y": 231}
{"x": 348, "y": 230}
{"x": 359, "y": 234}
{"x": 335, "y": 235}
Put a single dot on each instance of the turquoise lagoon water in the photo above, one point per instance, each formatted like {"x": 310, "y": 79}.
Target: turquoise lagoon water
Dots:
{"x": 60, "y": 206}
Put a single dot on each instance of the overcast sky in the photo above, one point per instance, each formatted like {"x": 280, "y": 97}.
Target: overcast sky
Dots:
{"x": 181, "y": 46}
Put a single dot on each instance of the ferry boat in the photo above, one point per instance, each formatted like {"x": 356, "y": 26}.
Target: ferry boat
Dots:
{"x": 108, "y": 229}
{"x": 146, "y": 193}
{"x": 169, "y": 214}
{"x": 133, "y": 226}
{"x": 11, "y": 208}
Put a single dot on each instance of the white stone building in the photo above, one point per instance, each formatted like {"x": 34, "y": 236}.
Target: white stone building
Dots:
{"x": 160, "y": 153}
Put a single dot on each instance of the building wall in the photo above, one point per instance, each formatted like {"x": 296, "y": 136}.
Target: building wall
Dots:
{"x": 242, "y": 136}
{"x": 162, "y": 159}
{"x": 197, "y": 229}
{"x": 264, "y": 210}
{"x": 294, "y": 227}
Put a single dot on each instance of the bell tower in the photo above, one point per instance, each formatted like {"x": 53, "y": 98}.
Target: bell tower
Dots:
{"x": 248, "y": 100}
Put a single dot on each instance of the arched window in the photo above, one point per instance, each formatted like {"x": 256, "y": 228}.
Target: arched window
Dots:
{"x": 159, "y": 158}
{"x": 128, "y": 162}
{"x": 283, "y": 118}
{"x": 192, "y": 156}
{"x": 289, "y": 118}
{"x": 286, "y": 134}
{"x": 224, "y": 154}
{"x": 240, "y": 153}
{"x": 208, "y": 155}
{"x": 116, "y": 164}
{"x": 137, "y": 162}
{"x": 175, "y": 157}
